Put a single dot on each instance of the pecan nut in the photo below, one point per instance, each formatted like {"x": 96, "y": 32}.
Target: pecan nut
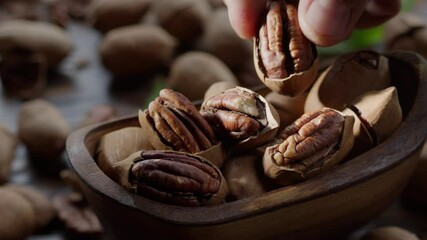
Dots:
{"x": 313, "y": 143}
{"x": 173, "y": 177}
{"x": 23, "y": 73}
{"x": 175, "y": 124}
{"x": 284, "y": 58}
{"x": 350, "y": 76}
{"x": 239, "y": 114}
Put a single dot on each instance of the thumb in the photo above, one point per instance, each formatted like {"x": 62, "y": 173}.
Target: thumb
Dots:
{"x": 328, "y": 22}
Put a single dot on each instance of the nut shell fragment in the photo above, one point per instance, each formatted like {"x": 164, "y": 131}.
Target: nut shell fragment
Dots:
{"x": 118, "y": 145}
{"x": 377, "y": 115}
{"x": 314, "y": 143}
{"x": 350, "y": 76}
{"x": 173, "y": 177}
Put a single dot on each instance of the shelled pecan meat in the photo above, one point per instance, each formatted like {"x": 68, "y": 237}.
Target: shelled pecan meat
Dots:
{"x": 238, "y": 113}
{"x": 282, "y": 46}
{"x": 285, "y": 60}
{"x": 313, "y": 143}
{"x": 173, "y": 177}
{"x": 178, "y": 123}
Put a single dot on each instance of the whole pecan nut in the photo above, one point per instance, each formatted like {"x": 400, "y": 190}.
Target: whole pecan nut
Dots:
{"x": 173, "y": 177}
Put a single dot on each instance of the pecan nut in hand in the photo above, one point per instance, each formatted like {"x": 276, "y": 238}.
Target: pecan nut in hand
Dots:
{"x": 239, "y": 115}
{"x": 175, "y": 124}
{"x": 173, "y": 177}
{"x": 285, "y": 60}
{"x": 314, "y": 143}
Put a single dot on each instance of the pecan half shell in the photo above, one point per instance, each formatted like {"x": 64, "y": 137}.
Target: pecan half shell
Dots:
{"x": 377, "y": 115}
{"x": 175, "y": 124}
{"x": 173, "y": 177}
{"x": 285, "y": 60}
{"x": 314, "y": 143}
{"x": 350, "y": 76}
{"x": 239, "y": 115}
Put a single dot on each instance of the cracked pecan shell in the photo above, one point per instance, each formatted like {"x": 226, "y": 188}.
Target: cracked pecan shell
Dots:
{"x": 350, "y": 76}
{"x": 173, "y": 177}
{"x": 285, "y": 60}
{"x": 314, "y": 143}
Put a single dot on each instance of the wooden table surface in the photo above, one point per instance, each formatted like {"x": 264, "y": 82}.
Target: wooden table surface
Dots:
{"x": 77, "y": 90}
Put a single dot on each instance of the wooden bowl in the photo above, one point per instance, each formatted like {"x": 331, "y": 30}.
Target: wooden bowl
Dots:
{"x": 324, "y": 207}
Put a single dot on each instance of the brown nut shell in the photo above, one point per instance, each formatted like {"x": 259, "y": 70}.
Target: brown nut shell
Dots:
{"x": 17, "y": 217}
{"x": 194, "y": 72}
{"x": 118, "y": 145}
{"x": 288, "y": 108}
{"x": 106, "y": 15}
{"x": 347, "y": 78}
{"x": 136, "y": 50}
{"x": 44, "y": 38}
{"x": 377, "y": 115}
{"x": 222, "y": 41}
{"x": 245, "y": 177}
{"x": 184, "y": 19}
{"x": 407, "y": 31}
{"x": 241, "y": 117}
{"x": 285, "y": 60}
{"x": 7, "y": 152}
{"x": 173, "y": 177}
{"x": 314, "y": 143}
{"x": 42, "y": 206}
{"x": 43, "y": 129}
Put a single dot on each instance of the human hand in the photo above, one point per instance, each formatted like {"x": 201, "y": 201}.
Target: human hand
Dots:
{"x": 324, "y": 22}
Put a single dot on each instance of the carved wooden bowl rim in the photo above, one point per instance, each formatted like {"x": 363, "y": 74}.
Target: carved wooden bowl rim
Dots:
{"x": 404, "y": 142}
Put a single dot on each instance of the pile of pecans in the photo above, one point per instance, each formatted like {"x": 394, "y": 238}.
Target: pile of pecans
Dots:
{"x": 338, "y": 116}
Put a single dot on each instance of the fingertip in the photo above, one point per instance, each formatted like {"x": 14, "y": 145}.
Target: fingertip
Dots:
{"x": 244, "y": 16}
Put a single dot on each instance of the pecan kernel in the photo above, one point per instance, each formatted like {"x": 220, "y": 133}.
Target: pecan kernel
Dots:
{"x": 306, "y": 137}
{"x": 178, "y": 123}
{"x": 283, "y": 48}
{"x": 175, "y": 178}
{"x": 235, "y": 114}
